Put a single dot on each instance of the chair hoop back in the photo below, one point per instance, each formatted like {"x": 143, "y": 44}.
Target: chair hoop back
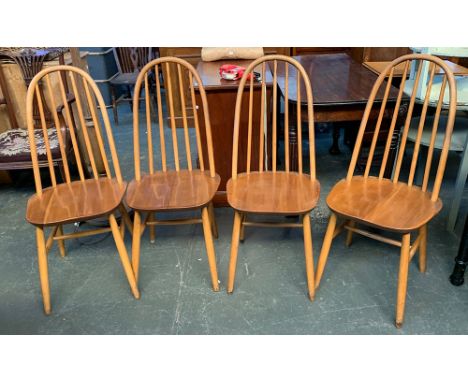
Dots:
{"x": 294, "y": 76}
{"x": 187, "y": 79}
{"x": 84, "y": 147}
{"x": 439, "y": 75}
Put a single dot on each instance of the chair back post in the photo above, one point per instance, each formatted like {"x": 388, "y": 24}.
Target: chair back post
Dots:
{"x": 435, "y": 65}
{"x": 64, "y": 117}
{"x": 157, "y": 65}
{"x": 301, "y": 74}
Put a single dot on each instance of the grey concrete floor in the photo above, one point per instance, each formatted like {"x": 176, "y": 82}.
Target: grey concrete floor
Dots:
{"x": 90, "y": 294}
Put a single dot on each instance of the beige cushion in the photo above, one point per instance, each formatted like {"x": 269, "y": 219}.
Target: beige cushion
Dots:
{"x": 214, "y": 54}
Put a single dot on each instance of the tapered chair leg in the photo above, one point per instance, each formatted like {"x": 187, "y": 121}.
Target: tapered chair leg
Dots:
{"x": 214, "y": 225}
{"x": 122, "y": 228}
{"x": 422, "y": 248}
{"x": 136, "y": 244}
{"x": 126, "y": 218}
{"x": 402, "y": 280}
{"x": 124, "y": 256}
{"x": 325, "y": 249}
{"x": 242, "y": 229}
{"x": 349, "y": 235}
{"x": 43, "y": 269}
{"x": 152, "y": 228}
{"x": 210, "y": 248}
{"x": 61, "y": 243}
{"x": 309, "y": 259}
{"x": 234, "y": 249}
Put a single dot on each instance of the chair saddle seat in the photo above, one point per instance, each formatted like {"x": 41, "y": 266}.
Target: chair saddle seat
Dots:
{"x": 382, "y": 203}
{"x": 75, "y": 201}
{"x": 275, "y": 193}
{"x": 172, "y": 190}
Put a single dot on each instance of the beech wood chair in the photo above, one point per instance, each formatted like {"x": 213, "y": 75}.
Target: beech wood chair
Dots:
{"x": 393, "y": 204}
{"x": 258, "y": 189}
{"x": 74, "y": 200}
{"x": 173, "y": 189}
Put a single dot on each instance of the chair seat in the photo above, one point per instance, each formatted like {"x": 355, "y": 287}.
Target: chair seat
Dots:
{"x": 381, "y": 203}
{"x": 124, "y": 79}
{"x": 172, "y": 190}
{"x": 76, "y": 201}
{"x": 14, "y": 145}
{"x": 276, "y": 193}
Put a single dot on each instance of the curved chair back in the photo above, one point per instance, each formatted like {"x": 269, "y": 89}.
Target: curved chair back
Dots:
{"x": 185, "y": 87}
{"x": 82, "y": 144}
{"x": 296, "y": 83}
{"x": 439, "y": 76}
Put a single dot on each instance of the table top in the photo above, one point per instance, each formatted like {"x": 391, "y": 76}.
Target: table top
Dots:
{"x": 209, "y": 74}
{"x": 378, "y": 66}
{"x": 336, "y": 79}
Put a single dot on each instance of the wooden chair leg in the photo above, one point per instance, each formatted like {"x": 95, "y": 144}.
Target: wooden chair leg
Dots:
{"x": 152, "y": 229}
{"x": 122, "y": 228}
{"x": 114, "y": 105}
{"x": 309, "y": 259}
{"x": 402, "y": 279}
{"x": 136, "y": 244}
{"x": 422, "y": 248}
{"x": 61, "y": 243}
{"x": 126, "y": 218}
{"x": 234, "y": 249}
{"x": 124, "y": 256}
{"x": 210, "y": 248}
{"x": 242, "y": 229}
{"x": 325, "y": 249}
{"x": 349, "y": 235}
{"x": 43, "y": 269}
{"x": 214, "y": 225}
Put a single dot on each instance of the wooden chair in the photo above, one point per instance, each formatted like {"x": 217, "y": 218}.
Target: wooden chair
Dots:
{"x": 15, "y": 152}
{"x": 177, "y": 188}
{"x": 129, "y": 62}
{"x": 392, "y": 204}
{"x": 74, "y": 200}
{"x": 257, "y": 189}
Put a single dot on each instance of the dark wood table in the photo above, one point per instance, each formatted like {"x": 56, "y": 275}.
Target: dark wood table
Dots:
{"x": 340, "y": 88}
{"x": 221, "y": 95}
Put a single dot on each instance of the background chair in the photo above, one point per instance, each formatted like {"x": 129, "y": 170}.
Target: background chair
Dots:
{"x": 391, "y": 204}
{"x": 176, "y": 189}
{"x": 460, "y": 130}
{"x": 458, "y": 144}
{"x": 74, "y": 200}
{"x": 257, "y": 188}
{"x": 15, "y": 153}
{"x": 129, "y": 62}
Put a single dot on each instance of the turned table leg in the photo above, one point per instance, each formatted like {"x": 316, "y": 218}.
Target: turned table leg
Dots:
{"x": 461, "y": 261}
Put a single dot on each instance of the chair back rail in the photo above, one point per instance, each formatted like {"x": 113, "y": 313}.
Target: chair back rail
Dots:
{"x": 132, "y": 59}
{"x": 195, "y": 84}
{"x": 437, "y": 69}
{"x": 69, "y": 77}
{"x": 290, "y": 68}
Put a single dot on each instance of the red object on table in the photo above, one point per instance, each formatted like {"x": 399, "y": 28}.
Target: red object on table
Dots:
{"x": 231, "y": 72}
